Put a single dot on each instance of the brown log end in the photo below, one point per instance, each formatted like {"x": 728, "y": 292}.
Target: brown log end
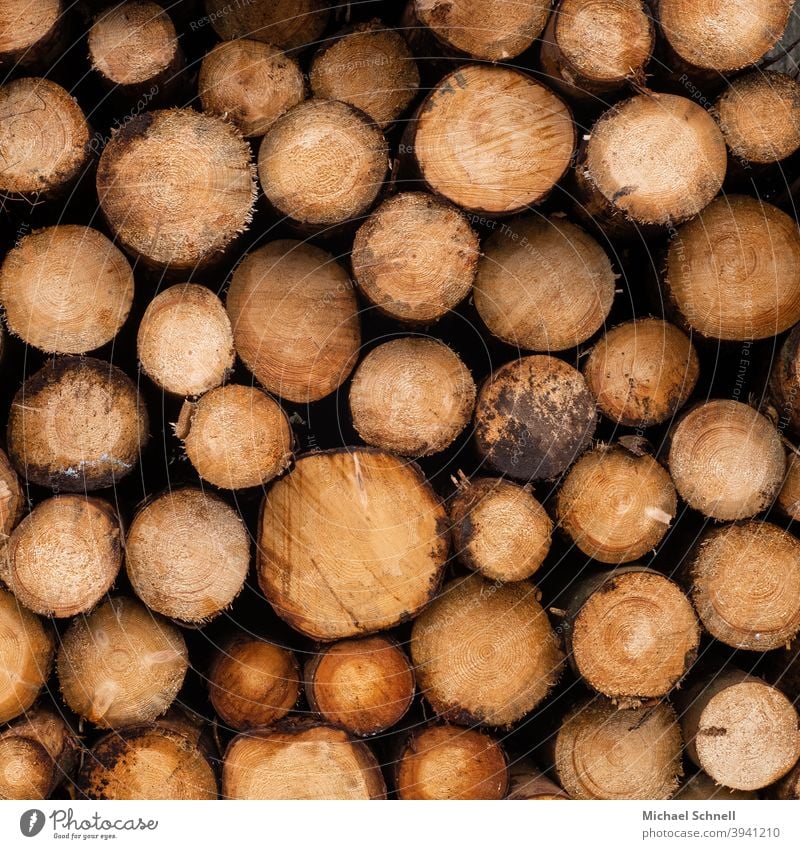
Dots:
{"x": 28, "y": 32}
{"x": 789, "y": 496}
{"x": 529, "y": 783}
{"x": 288, "y": 24}
{"x": 700, "y": 786}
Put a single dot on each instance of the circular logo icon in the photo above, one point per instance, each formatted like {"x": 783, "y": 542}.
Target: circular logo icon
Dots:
{"x": 31, "y": 822}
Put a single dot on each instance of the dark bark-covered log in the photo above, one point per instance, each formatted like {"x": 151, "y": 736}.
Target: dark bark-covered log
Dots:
{"x": 351, "y": 541}
{"x": 485, "y": 653}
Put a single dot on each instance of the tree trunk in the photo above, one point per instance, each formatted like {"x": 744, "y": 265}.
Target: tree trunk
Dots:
{"x": 288, "y": 24}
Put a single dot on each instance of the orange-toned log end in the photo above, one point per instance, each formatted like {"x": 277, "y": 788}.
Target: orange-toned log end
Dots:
{"x": 533, "y": 417}
{"x": 495, "y": 30}
{"x": 651, "y": 160}
{"x": 789, "y": 496}
{"x": 633, "y": 634}
{"x": 726, "y": 460}
{"x": 300, "y": 761}
{"x": 77, "y": 424}
{"x": 295, "y": 320}
{"x": 485, "y": 653}
{"x": 543, "y": 284}
{"x": 65, "y": 555}
{"x": 185, "y": 341}
{"x": 369, "y": 67}
{"x": 44, "y": 137}
{"x": 187, "y": 553}
{"x": 499, "y": 529}
{"x": 745, "y": 585}
{"x": 740, "y": 731}
{"x": 592, "y": 49}
{"x": 351, "y": 541}
{"x": 784, "y": 383}
{"x": 642, "y": 372}
{"x": 253, "y": 682}
{"x": 364, "y": 686}
{"x": 26, "y": 654}
{"x": 288, "y": 24}
{"x": 710, "y": 37}
{"x": 528, "y": 783}
{"x": 449, "y": 762}
{"x": 604, "y": 752}
{"x": 12, "y": 502}
{"x": 121, "y": 665}
{"x": 66, "y": 289}
{"x": 700, "y": 786}
{"x": 503, "y": 171}
{"x": 616, "y": 505}
{"x": 415, "y": 257}
{"x": 134, "y": 46}
{"x": 322, "y": 163}
{"x": 146, "y": 762}
{"x": 236, "y": 437}
{"x": 176, "y": 187}
{"x": 412, "y": 396}
{"x": 30, "y": 33}
{"x": 733, "y": 273}
{"x": 759, "y": 115}
{"x": 250, "y": 83}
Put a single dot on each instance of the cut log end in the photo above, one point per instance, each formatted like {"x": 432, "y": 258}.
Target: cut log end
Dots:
{"x": 415, "y": 257}
{"x": 253, "y": 682}
{"x": 784, "y": 383}
{"x": 412, "y": 396}
{"x": 642, "y": 372}
{"x": 726, "y": 460}
{"x": 29, "y": 32}
{"x": 789, "y": 496}
{"x": 445, "y": 762}
{"x": 700, "y": 787}
{"x": 499, "y": 529}
{"x": 364, "y": 686}
{"x": 529, "y": 783}
{"x": 288, "y": 24}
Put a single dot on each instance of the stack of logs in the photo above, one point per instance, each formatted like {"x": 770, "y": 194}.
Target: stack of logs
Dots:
{"x": 399, "y": 401}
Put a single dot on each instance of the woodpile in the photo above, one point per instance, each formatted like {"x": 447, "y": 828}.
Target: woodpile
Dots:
{"x": 401, "y": 400}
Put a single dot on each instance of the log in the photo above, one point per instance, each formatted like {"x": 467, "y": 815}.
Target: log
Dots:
{"x": 528, "y": 783}
{"x": 415, "y": 257}
{"x": 652, "y": 161}
{"x": 700, "y": 786}
{"x": 134, "y": 49}
{"x": 295, "y": 320}
{"x": 146, "y": 762}
{"x": 498, "y": 171}
{"x": 78, "y": 424}
{"x": 26, "y": 654}
{"x": 616, "y": 505}
{"x": 322, "y": 164}
{"x": 499, "y": 529}
{"x": 543, "y": 284}
{"x": 485, "y": 653}
{"x": 734, "y": 272}
{"x": 121, "y": 665}
{"x": 782, "y": 670}
{"x": 739, "y": 730}
{"x": 250, "y": 83}
{"x": 789, "y": 496}
{"x": 745, "y": 585}
{"x": 495, "y": 30}
{"x": 351, "y": 541}
{"x": 187, "y": 553}
{"x": 726, "y": 460}
{"x": 236, "y": 437}
{"x": 789, "y": 787}
{"x": 12, "y": 500}
{"x": 759, "y": 115}
{"x": 66, "y": 289}
{"x": 603, "y": 752}
{"x": 253, "y": 682}
{"x": 445, "y": 762}
{"x": 364, "y": 686}
{"x": 37, "y": 753}
{"x": 642, "y": 372}
{"x": 632, "y": 634}
{"x": 176, "y": 187}
{"x": 300, "y": 761}
{"x": 288, "y": 24}
{"x": 784, "y": 383}
{"x": 65, "y": 555}
{"x": 185, "y": 340}
{"x": 412, "y": 396}
{"x": 708, "y": 40}
{"x": 31, "y": 34}
{"x": 534, "y": 416}
{"x": 370, "y": 67}
{"x": 44, "y": 137}
{"x": 592, "y": 50}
